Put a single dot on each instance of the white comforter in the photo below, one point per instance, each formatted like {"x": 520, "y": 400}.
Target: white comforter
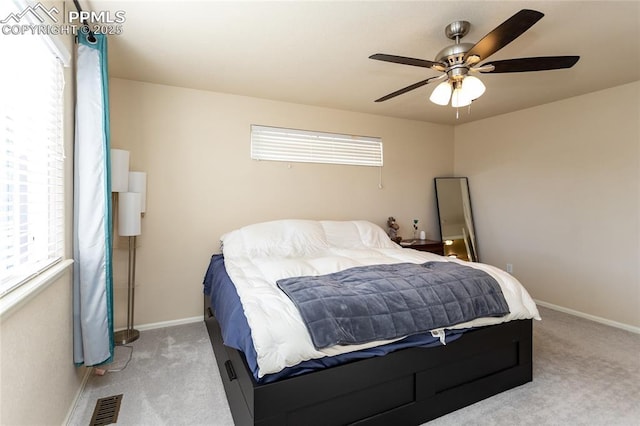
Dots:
{"x": 256, "y": 256}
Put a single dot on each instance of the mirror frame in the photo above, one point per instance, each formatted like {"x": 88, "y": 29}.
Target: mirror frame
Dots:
{"x": 469, "y": 237}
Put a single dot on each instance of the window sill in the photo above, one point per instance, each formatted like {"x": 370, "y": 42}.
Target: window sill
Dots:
{"x": 29, "y": 290}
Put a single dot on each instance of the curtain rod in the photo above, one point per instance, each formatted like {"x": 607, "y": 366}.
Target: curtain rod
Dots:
{"x": 91, "y": 37}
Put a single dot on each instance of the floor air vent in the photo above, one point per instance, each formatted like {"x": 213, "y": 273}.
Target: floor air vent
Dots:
{"x": 106, "y": 411}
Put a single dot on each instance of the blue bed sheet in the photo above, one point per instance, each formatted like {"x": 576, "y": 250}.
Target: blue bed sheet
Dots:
{"x": 236, "y": 333}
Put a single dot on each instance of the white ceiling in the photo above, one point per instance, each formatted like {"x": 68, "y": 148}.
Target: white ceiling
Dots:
{"x": 316, "y": 52}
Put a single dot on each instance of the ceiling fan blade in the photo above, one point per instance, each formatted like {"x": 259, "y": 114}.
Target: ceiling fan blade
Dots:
{"x": 408, "y": 88}
{"x": 505, "y": 33}
{"x": 542, "y": 63}
{"x": 404, "y": 60}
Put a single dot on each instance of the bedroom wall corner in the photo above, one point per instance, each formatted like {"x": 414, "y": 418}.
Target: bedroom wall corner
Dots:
{"x": 556, "y": 193}
{"x": 194, "y": 146}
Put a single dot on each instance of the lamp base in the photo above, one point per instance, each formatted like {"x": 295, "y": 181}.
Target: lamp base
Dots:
{"x": 125, "y": 336}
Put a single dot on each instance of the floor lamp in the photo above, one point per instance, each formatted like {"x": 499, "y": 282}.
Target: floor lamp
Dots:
{"x": 129, "y": 225}
{"x": 129, "y": 202}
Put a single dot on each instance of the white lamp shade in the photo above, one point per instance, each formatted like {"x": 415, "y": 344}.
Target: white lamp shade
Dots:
{"x": 129, "y": 214}
{"x": 473, "y": 87}
{"x": 460, "y": 98}
{"x": 441, "y": 93}
{"x": 119, "y": 170}
{"x": 138, "y": 183}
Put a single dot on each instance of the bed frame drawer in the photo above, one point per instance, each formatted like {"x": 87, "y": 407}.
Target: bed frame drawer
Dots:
{"x": 242, "y": 412}
{"x": 351, "y": 407}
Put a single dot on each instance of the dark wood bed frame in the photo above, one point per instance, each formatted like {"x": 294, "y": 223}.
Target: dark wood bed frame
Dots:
{"x": 406, "y": 387}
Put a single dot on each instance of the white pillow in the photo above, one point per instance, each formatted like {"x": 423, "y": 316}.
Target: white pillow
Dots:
{"x": 356, "y": 234}
{"x": 282, "y": 238}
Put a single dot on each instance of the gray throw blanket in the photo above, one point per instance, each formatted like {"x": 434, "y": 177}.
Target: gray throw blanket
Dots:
{"x": 380, "y": 302}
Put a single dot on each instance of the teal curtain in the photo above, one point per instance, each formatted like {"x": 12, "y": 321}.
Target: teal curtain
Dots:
{"x": 93, "y": 342}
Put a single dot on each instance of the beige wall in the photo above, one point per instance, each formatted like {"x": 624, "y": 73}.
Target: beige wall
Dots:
{"x": 38, "y": 380}
{"x": 194, "y": 145}
{"x": 556, "y": 192}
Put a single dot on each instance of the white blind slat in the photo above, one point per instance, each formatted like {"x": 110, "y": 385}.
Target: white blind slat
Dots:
{"x": 31, "y": 154}
{"x": 290, "y": 145}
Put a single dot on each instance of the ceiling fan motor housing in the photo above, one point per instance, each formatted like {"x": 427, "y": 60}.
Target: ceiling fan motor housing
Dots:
{"x": 453, "y": 57}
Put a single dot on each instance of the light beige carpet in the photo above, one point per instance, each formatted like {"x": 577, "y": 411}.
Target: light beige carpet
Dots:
{"x": 584, "y": 373}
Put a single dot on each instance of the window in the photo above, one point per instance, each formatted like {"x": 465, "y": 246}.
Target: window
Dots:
{"x": 273, "y": 143}
{"x": 31, "y": 159}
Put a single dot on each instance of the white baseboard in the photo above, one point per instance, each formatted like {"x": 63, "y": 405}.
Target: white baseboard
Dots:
{"x": 74, "y": 403}
{"x": 601, "y": 320}
{"x": 171, "y": 323}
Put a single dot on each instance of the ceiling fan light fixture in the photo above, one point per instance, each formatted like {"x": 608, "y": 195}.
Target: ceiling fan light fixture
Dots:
{"x": 473, "y": 87}
{"x": 460, "y": 98}
{"x": 441, "y": 94}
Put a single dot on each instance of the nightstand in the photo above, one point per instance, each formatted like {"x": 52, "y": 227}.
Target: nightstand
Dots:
{"x": 431, "y": 246}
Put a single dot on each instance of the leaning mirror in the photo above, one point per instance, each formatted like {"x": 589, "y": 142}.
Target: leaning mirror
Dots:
{"x": 456, "y": 220}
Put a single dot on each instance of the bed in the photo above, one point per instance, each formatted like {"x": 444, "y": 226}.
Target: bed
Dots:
{"x": 275, "y": 371}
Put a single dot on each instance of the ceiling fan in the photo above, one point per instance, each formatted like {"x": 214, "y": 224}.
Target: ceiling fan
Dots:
{"x": 458, "y": 61}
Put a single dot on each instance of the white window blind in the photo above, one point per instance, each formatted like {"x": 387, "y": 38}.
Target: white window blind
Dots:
{"x": 278, "y": 144}
{"x": 31, "y": 159}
